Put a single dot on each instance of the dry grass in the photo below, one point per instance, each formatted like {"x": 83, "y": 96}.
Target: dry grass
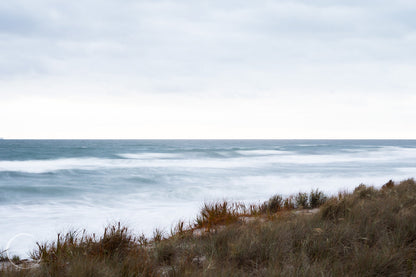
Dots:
{"x": 369, "y": 232}
{"x": 215, "y": 214}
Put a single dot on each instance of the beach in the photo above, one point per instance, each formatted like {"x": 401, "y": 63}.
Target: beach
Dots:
{"x": 50, "y": 187}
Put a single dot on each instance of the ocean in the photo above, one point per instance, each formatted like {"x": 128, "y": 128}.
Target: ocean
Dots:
{"x": 52, "y": 186}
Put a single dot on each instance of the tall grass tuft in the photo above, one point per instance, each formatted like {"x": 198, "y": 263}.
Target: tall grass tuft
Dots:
{"x": 316, "y": 198}
{"x": 218, "y": 213}
{"x": 273, "y": 205}
{"x": 301, "y": 200}
{"x": 3, "y": 255}
{"x": 288, "y": 203}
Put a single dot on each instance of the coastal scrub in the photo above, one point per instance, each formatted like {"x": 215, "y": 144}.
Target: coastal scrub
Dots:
{"x": 367, "y": 232}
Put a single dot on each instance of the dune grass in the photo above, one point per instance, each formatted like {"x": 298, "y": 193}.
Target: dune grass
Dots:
{"x": 368, "y": 232}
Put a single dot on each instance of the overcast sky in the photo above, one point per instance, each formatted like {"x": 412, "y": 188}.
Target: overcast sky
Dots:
{"x": 207, "y": 69}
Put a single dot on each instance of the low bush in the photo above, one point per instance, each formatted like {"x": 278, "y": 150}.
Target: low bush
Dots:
{"x": 301, "y": 200}
{"x": 273, "y": 205}
{"x": 316, "y": 198}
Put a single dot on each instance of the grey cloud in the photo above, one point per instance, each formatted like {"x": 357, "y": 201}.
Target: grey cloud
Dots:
{"x": 198, "y": 46}
{"x": 14, "y": 23}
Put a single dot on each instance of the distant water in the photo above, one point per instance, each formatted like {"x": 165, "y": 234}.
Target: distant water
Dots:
{"x": 50, "y": 186}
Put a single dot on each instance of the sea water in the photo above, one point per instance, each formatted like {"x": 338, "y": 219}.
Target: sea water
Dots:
{"x": 52, "y": 186}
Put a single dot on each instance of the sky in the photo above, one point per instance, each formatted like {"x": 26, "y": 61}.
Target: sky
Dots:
{"x": 181, "y": 69}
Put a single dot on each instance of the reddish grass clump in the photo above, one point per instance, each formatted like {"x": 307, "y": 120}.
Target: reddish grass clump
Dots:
{"x": 218, "y": 214}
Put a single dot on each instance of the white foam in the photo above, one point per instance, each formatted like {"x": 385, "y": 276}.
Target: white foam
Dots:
{"x": 384, "y": 154}
{"x": 146, "y": 156}
{"x": 160, "y": 207}
{"x": 42, "y": 166}
{"x": 44, "y": 222}
{"x": 183, "y": 181}
{"x": 255, "y": 158}
{"x": 262, "y": 152}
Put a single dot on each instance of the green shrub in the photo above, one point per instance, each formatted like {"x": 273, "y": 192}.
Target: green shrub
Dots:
{"x": 273, "y": 205}
{"x": 316, "y": 198}
{"x": 301, "y": 200}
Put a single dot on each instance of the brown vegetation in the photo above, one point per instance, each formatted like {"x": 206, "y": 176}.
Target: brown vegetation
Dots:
{"x": 369, "y": 232}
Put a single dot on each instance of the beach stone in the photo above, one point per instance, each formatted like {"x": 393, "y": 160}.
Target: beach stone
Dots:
{"x": 199, "y": 260}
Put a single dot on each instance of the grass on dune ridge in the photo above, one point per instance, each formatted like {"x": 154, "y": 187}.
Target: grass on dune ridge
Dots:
{"x": 367, "y": 232}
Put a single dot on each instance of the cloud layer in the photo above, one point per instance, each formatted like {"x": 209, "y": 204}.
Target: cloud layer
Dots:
{"x": 348, "y": 55}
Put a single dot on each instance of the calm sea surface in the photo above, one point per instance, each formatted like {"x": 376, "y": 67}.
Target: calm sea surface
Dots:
{"x": 51, "y": 186}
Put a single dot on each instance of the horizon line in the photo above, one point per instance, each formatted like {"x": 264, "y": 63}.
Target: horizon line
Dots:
{"x": 2, "y": 138}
